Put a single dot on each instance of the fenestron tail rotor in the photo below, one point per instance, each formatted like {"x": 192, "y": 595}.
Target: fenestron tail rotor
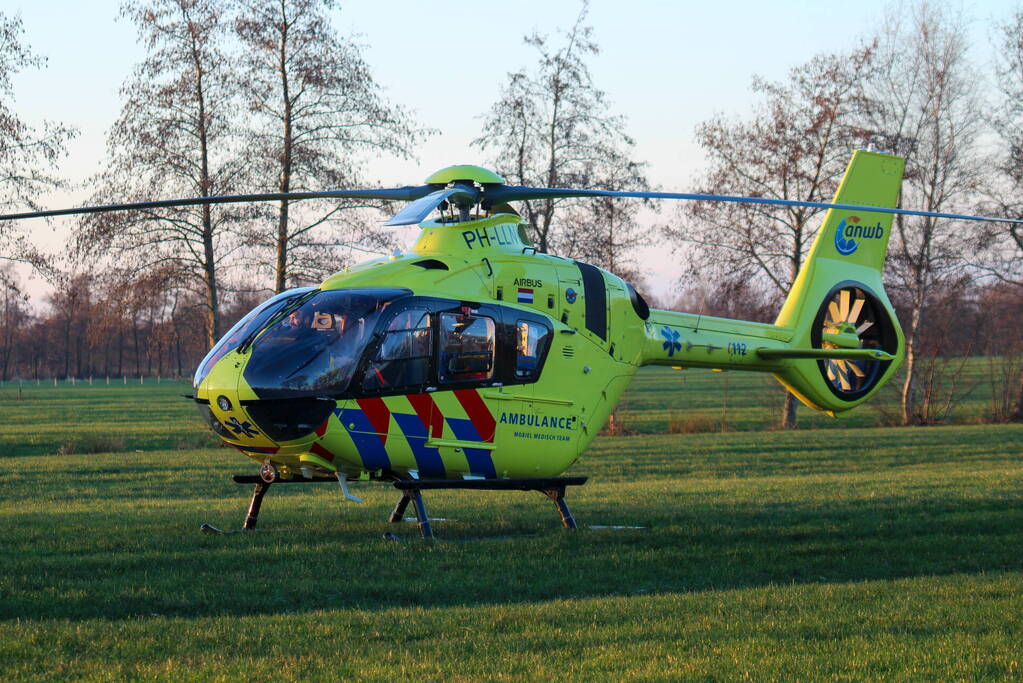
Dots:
{"x": 851, "y": 317}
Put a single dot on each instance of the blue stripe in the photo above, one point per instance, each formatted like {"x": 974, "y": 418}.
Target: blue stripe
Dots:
{"x": 481, "y": 463}
{"x": 371, "y": 450}
{"x": 428, "y": 459}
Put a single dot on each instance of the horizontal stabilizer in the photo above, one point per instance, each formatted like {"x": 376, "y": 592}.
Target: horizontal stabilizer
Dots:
{"x": 827, "y": 354}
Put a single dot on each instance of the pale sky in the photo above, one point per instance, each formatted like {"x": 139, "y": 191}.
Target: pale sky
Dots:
{"x": 666, "y": 66}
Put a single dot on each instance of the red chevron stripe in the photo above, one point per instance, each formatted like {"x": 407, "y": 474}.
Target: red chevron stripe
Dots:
{"x": 378, "y": 414}
{"x": 317, "y": 449}
{"x": 478, "y": 412}
{"x": 429, "y": 413}
{"x": 322, "y": 428}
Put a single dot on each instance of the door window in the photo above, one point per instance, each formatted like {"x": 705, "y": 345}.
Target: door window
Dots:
{"x": 465, "y": 348}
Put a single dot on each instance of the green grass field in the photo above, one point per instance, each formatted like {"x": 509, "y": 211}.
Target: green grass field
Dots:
{"x": 847, "y": 552}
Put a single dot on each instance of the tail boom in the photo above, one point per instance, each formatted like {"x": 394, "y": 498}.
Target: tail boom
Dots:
{"x": 836, "y": 340}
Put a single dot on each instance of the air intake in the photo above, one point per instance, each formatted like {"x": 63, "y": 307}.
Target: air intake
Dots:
{"x": 431, "y": 264}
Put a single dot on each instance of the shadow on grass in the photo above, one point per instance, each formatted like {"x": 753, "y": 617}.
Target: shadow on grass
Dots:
{"x": 116, "y": 563}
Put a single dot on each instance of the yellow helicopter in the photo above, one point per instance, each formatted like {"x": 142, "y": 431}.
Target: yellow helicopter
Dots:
{"x": 475, "y": 361}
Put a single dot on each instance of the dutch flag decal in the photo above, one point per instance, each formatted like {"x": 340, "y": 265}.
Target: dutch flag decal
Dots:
{"x": 525, "y": 295}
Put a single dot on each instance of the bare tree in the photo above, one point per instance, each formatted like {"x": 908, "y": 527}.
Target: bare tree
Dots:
{"x": 927, "y": 109}
{"x": 317, "y": 113}
{"x": 736, "y": 297}
{"x": 69, "y": 304}
{"x": 27, "y": 154}
{"x": 795, "y": 146}
{"x": 605, "y": 230}
{"x": 174, "y": 136}
{"x": 551, "y": 128}
{"x": 1000, "y": 309}
{"x": 14, "y": 315}
{"x": 1004, "y": 257}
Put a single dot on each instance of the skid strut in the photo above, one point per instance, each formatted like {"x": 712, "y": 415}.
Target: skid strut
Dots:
{"x": 553, "y": 488}
{"x": 398, "y": 513}
{"x": 257, "y": 500}
{"x": 557, "y": 495}
{"x": 411, "y": 492}
{"x": 262, "y": 486}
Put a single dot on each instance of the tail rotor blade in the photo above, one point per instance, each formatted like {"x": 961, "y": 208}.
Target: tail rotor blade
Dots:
{"x": 855, "y": 312}
{"x": 836, "y": 318}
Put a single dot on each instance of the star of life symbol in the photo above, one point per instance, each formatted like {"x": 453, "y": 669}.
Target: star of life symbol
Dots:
{"x": 672, "y": 344}
{"x": 240, "y": 428}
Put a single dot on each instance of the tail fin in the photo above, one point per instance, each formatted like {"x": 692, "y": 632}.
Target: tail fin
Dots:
{"x": 838, "y": 299}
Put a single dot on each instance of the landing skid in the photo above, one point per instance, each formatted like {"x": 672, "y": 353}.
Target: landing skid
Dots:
{"x": 411, "y": 492}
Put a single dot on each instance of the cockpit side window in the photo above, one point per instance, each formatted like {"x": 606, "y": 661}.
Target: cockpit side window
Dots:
{"x": 465, "y": 348}
{"x": 403, "y": 357}
{"x": 531, "y": 342}
{"x": 252, "y": 322}
{"x": 313, "y": 351}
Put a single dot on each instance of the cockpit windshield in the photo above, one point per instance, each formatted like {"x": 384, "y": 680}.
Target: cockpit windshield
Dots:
{"x": 253, "y": 321}
{"x": 314, "y": 350}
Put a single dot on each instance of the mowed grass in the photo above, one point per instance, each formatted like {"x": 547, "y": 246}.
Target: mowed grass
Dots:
{"x": 827, "y": 553}
{"x": 661, "y": 400}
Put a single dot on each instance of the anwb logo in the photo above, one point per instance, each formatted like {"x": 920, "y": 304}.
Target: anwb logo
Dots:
{"x": 849, "y": 232}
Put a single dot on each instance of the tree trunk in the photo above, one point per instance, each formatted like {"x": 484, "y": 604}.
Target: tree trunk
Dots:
{"x": 67, "y": 347}
{"x": 281, "y": 268}
{"x": 1019, "y": 399}
{"x": 205, "y": 187}
{"x": 909, "y": 388}
{"x": 281, "y": 265}
{"x": 138, "y": 350}
{"x": 209, "y": 270}
{"x": 788, "y": 412}
{"x": 212, "y": 296}
{"x": 909, "y": 413}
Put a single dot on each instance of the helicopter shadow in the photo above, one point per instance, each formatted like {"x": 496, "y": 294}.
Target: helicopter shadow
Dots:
{"x": 498, "y": 552}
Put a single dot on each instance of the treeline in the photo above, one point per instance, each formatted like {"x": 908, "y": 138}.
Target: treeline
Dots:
{"x": 266, "y": 96}
{"x": 93, "y": 326}
{"x": 99, "y": 327}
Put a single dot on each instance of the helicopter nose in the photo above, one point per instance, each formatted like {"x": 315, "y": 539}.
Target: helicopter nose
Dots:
{"x": 230, "y": 420}
{"x": 222, "y": 405}
{"x": 289, "y": 419}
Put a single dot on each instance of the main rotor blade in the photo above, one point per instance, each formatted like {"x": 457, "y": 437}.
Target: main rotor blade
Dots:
{"x": 407, "y": 193}
{"x": 510, "y": 193}
{"x": 417, "y": 211}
